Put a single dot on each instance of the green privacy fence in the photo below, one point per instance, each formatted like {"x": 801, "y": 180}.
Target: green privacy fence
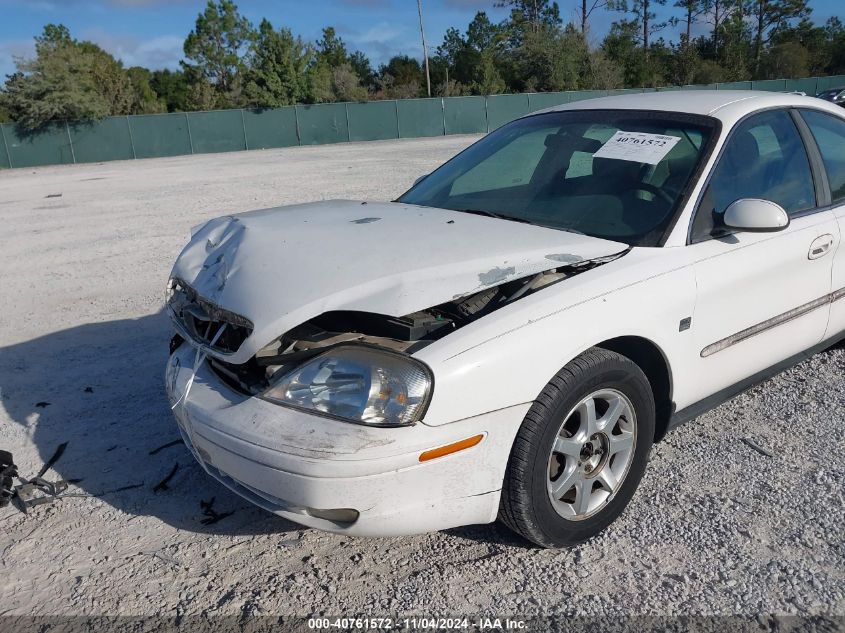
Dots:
{"x": 157, "y": 135}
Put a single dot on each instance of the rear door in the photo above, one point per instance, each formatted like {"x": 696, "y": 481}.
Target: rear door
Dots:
{"x": 828, "y": 131}
{"x": 760, "y": 296}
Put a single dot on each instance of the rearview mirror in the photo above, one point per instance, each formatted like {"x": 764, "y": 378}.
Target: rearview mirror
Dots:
{"x": 419, "y": 180}
{"x": 752, "y": 214}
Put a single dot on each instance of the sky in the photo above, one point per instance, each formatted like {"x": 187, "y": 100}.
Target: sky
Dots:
{"x": 151, "y": 32}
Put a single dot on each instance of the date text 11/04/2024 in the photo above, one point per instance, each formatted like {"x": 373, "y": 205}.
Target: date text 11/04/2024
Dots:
{"x": 419, "y": 623}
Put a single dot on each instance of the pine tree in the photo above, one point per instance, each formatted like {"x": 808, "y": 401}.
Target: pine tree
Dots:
{"x": 217, "y": 47}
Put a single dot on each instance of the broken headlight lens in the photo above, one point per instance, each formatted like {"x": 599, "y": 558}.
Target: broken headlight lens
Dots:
{"x": 357, "y": 383}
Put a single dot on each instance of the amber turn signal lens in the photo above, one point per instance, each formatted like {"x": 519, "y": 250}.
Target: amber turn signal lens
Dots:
{"x": 442, "y": 451}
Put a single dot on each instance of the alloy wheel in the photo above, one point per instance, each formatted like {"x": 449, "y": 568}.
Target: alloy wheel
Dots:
{"x": 591, "y": 454}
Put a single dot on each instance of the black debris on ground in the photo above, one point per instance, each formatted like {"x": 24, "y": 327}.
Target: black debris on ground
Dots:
{"x": 755, "y": 446}
{"x": 57, "y": 455}
{"x": 210, "y": 514}
{"x": 121, "y": 489}
{"x": 175, "y": 442}
{"x": 162, "y": 485}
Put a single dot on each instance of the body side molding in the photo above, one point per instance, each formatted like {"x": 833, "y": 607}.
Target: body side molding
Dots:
{"x": 711, "y": 402}
{"x": 775, "y": 321}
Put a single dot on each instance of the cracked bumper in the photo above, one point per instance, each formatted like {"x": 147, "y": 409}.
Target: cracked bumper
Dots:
{"x": 305, "y": 467}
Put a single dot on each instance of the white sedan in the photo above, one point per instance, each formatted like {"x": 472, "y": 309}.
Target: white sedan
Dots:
{"x": 510, "y": 337}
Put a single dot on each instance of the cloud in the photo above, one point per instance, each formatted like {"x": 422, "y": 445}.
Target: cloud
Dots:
{"x": 379, "y": 34}
{"x": 11, "y": 49}
{"x": 155, "y": 53}
{"x": 381, "y": 41}
{"x": 159, "y": 52}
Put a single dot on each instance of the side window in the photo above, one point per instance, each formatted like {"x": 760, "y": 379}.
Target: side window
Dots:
{"x": 764, "y": 158}
{"x": 829, "y": 132}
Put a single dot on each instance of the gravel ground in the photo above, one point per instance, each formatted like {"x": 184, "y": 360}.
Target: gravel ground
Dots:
{"x": 716, "y": 527}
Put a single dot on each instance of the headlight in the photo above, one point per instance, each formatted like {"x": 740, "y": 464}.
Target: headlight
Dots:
{"x": 357, "y": 383}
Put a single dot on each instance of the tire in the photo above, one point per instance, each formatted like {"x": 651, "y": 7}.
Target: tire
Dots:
{"x": 607, "y": 468}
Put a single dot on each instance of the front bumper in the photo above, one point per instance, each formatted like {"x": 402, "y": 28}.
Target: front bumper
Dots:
{"x": 316, "y": 471}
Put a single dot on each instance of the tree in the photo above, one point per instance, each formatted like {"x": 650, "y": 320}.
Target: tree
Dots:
{"x": 202, "y": 96}
{"x": 601, "y": 73}
{"x": 346, "y": 84}
{"x": 693, "y": 9}
{"x": 788, "y": 59}
{"x": 276, "y": 75}
{"x": 54, "y": 36}
{"x": 769, "y": 15}
{"x": 331, "y": 48}
{"x": 621, "y": 46}
{"x": 736, "y": 44}
{"x": 216, "y": 49}
{"x": 687, "y": 57}
{"x": 447, "y": 54}
{"x": 529, "y": 16}
{"x": 552, "y": 59}
{"x": 836, "y": 42}
{"x": 319, "y": 79}
{"x": 715, "y": 15}
{"x": 588, "y": 7}
{"x": 67, "y": 79}
{"x": 334, "y": 75}
{"x": 482, "y": 34}
{"x": 814, "y": 39}
{"x": 144, "y": 98}
{"x": 472, "y": 61}
{"x": 361, "y": 65}
{"x": 644, "y": 15}
{"x": 112, "y": 81}
{"x": 534, "y": 13}
{"x": 402, "y": 77}
{"x": 172, "y": 88}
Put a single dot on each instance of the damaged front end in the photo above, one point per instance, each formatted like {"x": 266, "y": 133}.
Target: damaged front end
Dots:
{"x": 206, "y": 324}
{"x": 403, "y": 335}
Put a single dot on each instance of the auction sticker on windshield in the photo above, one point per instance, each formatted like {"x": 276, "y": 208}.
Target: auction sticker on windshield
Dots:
{"x": 638, "y": 147}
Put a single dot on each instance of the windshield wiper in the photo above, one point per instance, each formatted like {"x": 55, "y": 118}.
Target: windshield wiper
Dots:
{"x": 493, "y": 214}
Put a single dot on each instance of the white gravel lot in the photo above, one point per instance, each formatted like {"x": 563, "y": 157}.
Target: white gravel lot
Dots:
{"x": 716, "y": 528}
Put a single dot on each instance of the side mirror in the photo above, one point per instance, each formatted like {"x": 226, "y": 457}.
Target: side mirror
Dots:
{"x": 419, "y": 180}
{"x": 754, "y": 215}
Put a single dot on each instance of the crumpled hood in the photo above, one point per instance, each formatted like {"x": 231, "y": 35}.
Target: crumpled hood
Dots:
{"x": 280, "y": 267}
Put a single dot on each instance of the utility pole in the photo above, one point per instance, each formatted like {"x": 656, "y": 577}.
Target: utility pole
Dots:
{"x": 425, "y": 49}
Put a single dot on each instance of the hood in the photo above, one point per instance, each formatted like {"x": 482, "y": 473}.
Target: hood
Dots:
{"x": 280, "y": 267}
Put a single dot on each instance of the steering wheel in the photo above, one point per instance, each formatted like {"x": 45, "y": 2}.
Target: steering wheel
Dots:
{"x": 657, "y": 191}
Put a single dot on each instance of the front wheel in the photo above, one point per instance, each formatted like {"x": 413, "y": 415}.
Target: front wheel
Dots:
{"x": 580, "y": 452}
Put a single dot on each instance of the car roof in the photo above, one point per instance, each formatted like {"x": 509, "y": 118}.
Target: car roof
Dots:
{"x": 727, "y": 105}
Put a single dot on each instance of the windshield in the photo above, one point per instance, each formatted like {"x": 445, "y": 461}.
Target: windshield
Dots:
{"x": 617, "y": 174}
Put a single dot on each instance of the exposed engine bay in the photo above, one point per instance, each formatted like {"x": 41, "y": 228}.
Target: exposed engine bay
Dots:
{"x": 405, "y": 334}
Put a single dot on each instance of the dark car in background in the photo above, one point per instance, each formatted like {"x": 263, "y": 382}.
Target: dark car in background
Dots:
{"x": 834, "y": 95}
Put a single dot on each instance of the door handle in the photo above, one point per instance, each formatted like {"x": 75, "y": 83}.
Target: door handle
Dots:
{"x": 820, "y": 246}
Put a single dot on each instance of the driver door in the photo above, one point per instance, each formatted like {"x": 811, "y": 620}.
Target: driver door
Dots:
{"x": 760, "y": 296}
